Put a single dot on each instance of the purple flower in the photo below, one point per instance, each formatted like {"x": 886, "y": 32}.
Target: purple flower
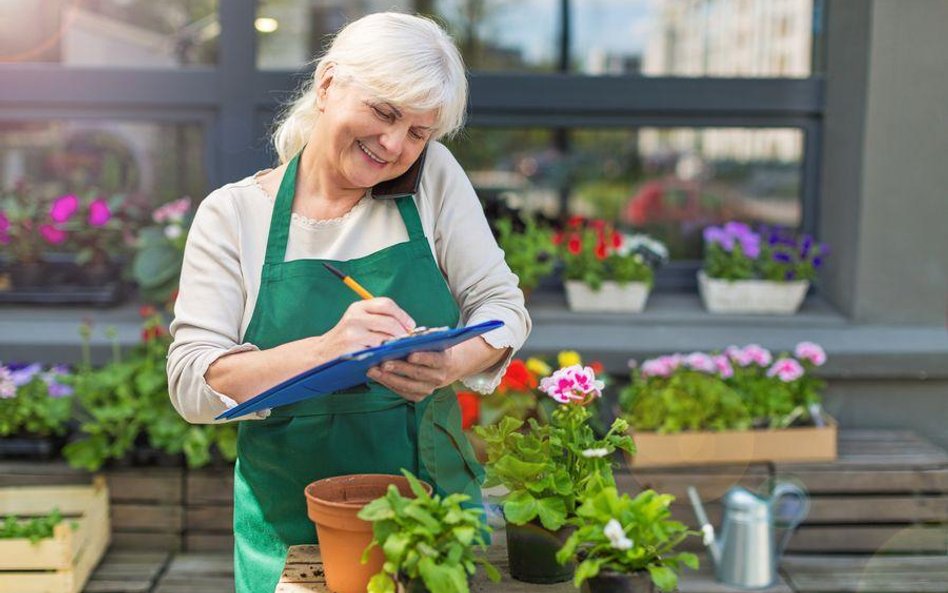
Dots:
{"x": 817, "y": 262}
{"x": 789, "y": 275}
{"x": 24, "y": 375}
{"x": 805, "y": 245}
{"x": 53, "y": 235}
{"x": 7, "y": 386}
{"x": 738, "y": 230}
{"x": 780, "y": 256}
{"x": 57, "y": 390}
{"x": 750, "y": 245}
{"x": 715, "y": 235}
{"x": 63, "y": 208}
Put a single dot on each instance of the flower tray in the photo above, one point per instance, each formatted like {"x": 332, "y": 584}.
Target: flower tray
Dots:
{"x": 23, "y": 447}
{"x": 795, "y": 444}
{"x": 760, "y": 297}
{"x": 109, "y": 294}
{"x": 63, "y": 563}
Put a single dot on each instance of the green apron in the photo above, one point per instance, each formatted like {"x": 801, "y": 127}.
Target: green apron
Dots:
{"x": 368, "y": 429}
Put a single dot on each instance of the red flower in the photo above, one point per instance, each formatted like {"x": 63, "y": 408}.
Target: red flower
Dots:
{"x": 616, "y": 240}
{"x": 518, "y": 378}
{"x": 557, "y": 238}
{"x": 598, "y": 224}
{"x": 146, "y": 311}
{"x": 597, "y": 367}
{"x": 152, "y": 333}
{"x": 601, "y": 250}
{"x": 575, "y": 221}
{"x": 470, "y": 405}
{"x": 575, "y": 245}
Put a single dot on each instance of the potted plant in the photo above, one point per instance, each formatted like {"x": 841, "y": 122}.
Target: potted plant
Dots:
{"x": 91, "y": 228}
{"x": 25, "y": 232}
{"x": 333, "y": 505}
{"x": 626, "y": 545}
{"x": 738, "y": 406}
{"x": 123, "y": 411}
{"x": 429, "y": 542}
{"x": 757, "y": 272}
{"x": 606, "y": 270}
{"x": 547, "y": 468}
{"x": 529, "y": 251}
{"x": 35, "y": 408}
{"x": 159, "y": 250}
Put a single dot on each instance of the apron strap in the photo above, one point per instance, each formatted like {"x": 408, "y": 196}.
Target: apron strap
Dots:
{"x": 279, "y": 233}
{"x": 406, "y": 207}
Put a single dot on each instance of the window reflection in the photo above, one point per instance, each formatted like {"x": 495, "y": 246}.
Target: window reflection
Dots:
{"x": 110, "y": 33}
{"x": 669, "y": 182}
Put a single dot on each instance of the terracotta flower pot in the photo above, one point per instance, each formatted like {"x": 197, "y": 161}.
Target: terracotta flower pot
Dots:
{"x": 333, "y": 505}
{"x": 531, "y": 551}
{"x": 609, "y": 581}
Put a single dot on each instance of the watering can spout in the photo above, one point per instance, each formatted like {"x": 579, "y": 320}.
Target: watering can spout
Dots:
{"x": 714, "y": 546}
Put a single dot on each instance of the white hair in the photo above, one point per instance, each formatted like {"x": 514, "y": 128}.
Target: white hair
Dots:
{"x": 408, "y": 61}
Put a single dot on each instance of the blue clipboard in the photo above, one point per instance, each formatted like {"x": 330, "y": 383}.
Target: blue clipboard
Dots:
{"x": 350, "y": 369}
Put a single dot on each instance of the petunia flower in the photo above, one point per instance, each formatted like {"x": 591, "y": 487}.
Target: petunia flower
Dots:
{"x": 63, "y": 208}
{"x": 24, "y": 375}
{"x": 53, "y": 235}
{"x": 99, "y": 213}
{"x": 811, "y": 352}
{"x": 786, "y": 369}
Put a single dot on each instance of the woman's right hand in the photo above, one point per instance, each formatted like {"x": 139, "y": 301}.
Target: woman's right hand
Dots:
{"x": 365, "y": 324}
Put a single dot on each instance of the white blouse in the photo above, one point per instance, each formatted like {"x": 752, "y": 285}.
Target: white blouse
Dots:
{"x": 223, "y": 261}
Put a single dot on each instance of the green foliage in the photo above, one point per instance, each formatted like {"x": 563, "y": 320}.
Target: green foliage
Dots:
{"x": 529, "y": 253}
{"x": 157, "y": 265}
{"x": 545, "y": 468}
{"x": 34, "y": 529}
{"x": 33, "y": 410}
{"x": 593, "y": 252}
{"x": 688, "y": 400}
{"x": 426, "y": 537}
{"x": 728, "y": 265}
{"x": 645, "y": 521}
{"x": 127, "y": 401}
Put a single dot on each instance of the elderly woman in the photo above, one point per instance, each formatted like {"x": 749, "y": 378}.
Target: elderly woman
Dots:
{"x": 364, "y": 184}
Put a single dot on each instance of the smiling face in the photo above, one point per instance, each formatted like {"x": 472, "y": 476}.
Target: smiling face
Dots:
{"x": 366, "y": 140}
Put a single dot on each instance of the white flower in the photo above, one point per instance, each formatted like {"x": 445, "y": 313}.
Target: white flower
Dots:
{"x": 173, "y": 231}
{"x": 590, "y": 453}
{"x": 708, "y": 534}
{"x": 616, "y": 535}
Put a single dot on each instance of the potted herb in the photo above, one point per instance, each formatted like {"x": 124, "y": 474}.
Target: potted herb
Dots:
{"x": 547, "y": 468}
{"x": 738, "y": 406}
{"x": 626, "y": 545}
{"x": 35, "y": 408}
{"x": 606, "y": 270}
{"x": 429, "y": 542}
{"x": 757, "y": 272}
{"x": 159, "y": 250}
{"x": 529, "y": 251}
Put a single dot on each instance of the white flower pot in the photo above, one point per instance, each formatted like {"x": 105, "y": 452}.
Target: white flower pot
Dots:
{"x": 612, "y": 297}
{"x": 751, "y": 296}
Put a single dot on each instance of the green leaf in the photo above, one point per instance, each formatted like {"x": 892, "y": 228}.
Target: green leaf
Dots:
{"x": 492, "y": 573}
{"x": 395, "y": 545}
{"x": 663, "y": 577}
{"x": 520, "y": 508}
{"x": 688, "y": 559}
{"x": 587, "y": 569}
{"x": 552, "y": 512}
{"x": 381, "y": 583}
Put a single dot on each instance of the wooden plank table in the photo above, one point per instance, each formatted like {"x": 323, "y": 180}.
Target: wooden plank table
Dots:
{"x": 303, "y": 573}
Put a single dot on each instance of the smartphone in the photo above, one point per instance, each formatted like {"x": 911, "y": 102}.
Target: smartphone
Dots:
{"x": 405, "y": 184}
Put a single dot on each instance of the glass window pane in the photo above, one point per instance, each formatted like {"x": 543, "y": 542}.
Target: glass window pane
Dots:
{"x": 671, "y": 182}
{"x": 110, "y": 33}
{"x": 492, "y": 34}
{"x": 693, "y": 38}
{"x": 154, "y": 162}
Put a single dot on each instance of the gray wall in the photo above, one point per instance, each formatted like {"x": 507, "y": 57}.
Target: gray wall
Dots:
{"x": 885, "y": 175}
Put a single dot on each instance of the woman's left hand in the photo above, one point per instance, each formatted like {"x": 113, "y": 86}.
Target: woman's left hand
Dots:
{"x": 416, "y": 377}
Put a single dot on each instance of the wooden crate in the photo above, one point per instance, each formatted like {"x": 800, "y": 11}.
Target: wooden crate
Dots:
{"x": 63, "y": 563}
{"x": 209, "y": 510}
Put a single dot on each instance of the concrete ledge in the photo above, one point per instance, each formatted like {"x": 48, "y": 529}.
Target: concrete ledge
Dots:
{"x": 672, "y": 322}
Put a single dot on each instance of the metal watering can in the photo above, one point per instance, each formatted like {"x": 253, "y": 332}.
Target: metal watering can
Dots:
{"x": 745, "y": 553}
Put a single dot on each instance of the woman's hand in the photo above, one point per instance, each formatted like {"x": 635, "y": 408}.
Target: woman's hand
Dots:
{"x": 366, "y": 324}
{"x": 416, "y": 377}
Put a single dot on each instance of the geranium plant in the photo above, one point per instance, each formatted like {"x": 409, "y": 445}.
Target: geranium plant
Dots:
{"x": 619, "y": 534}
{"x": 34, "y": 401}
{"x": 734, "y": 251}
{"x": 547, "y": 467}
{"x": 529, "y": 251}
{"x": 26, "y": 230}
{"x": 159, "y": 250}
{"x": 593, "y": 252}
{"x": 125, "y": 403}
{"x": 735, "y": 390}
{"x": 427, "y": 538}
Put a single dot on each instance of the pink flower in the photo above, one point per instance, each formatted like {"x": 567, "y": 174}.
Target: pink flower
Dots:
{"x": 172, "y": 211}
{"x": 811, "y": 352}
{"x": 4, "y": 227}
{"x": 786, "y": 369}
{"x": 63, "y": 208}
{"x": 699, "y": 361}
{"x": 723, "y": 365}
{"x": 52, "y": 234}
{"x": 99, "y": 213}
{"x": 756, "y": 354}
{"x": 7, "y": 386}
{"x": 572, "y": 384}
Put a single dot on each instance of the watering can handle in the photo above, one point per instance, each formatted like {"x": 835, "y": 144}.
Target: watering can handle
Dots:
{"x": 790, "y": 522}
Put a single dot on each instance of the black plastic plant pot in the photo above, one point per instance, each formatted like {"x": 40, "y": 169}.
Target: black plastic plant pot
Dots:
{"x": 531, "y": 551}
{"x": 617, "y": 582}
